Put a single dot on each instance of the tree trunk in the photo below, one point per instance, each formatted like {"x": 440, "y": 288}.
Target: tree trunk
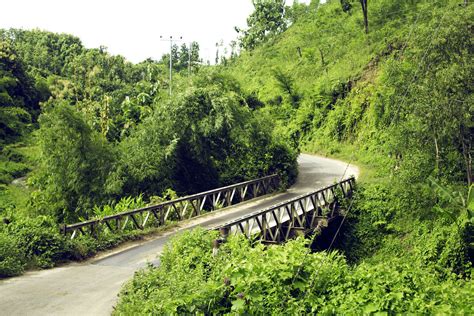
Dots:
{"x": 363, "y": 3}
{"x": 298, "y": 49}
{"x": 323, "y": 62}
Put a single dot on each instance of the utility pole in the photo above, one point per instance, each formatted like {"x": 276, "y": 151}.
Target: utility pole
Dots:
{"x": 171, "y": 57}
{"x": 219, "y": 57}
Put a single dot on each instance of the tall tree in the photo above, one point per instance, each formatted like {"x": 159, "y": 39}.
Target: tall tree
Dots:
{"x": 183, "y": 58}
{"x": 266, "y": 21}
{"x": 74, "y": 163}
{"x": 194, "y": 58}
{"x": 363, "y": 4}
{"x": 19, "y": 98}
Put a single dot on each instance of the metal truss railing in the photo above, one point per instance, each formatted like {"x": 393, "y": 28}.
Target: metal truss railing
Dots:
{"x": 304, "y": 213}
{"x": 178, "y": 209}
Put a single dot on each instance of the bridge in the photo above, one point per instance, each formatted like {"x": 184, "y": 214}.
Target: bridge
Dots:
{"x": 298, "y": 216}
{"x": 91, "y": 287}
{"x": 278, "y": 223}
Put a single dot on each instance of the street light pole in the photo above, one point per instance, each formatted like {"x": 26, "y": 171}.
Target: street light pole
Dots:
{"x": 171, "y": 59}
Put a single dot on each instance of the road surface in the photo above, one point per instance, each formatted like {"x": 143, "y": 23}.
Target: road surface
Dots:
{"x": 91, "y": 287}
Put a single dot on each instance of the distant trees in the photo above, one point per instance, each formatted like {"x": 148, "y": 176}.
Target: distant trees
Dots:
{"x": 44, "y": 53}
{"x": 296, "y": 11}
{"x": 185, "y": 57}
{"x": 19, "y": 97}
{"x": 188, "y": 58}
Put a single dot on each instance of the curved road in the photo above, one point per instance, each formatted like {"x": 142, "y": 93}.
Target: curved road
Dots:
{"x": 91, "y": 287}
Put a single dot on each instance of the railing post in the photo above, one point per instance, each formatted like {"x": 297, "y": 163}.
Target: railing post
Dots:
{"x": 62, "y": 229}
{"x": 351, "y": 186}
{"x": 224, "y": 232}
{"x": 216, "y": 243}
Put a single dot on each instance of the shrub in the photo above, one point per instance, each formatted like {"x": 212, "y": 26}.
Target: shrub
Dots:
{"x": 12, "y": 261}
{"x": 39, "y": 241}
{"x": 249, "y": 278}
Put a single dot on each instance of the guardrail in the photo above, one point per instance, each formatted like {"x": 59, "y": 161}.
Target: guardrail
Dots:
{"x": 282, "y": 221}
{"x": 178, "y": 209}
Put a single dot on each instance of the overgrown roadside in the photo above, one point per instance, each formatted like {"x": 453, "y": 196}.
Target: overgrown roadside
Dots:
{"x": 386, "y": 259}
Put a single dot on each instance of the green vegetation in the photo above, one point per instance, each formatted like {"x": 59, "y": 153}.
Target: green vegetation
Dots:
{"x": 83, "y": 131}
{"x": 252, "y": 279}
{"x": 36, "y": 243}
{"x": 392, "y": 92}
{"x": 385, "y": 84}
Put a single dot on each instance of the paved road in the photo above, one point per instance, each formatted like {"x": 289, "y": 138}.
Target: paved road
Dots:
{"x": 91, "y": 287}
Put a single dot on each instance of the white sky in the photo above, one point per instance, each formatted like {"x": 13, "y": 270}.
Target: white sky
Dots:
{"x": 133, "y": 28}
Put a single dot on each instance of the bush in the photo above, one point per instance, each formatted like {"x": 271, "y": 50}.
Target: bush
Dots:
{"x": 12, "y": 261}
{"x": 248, "y": 278}
{"x": 398, "y": 286}
{"x": 9, "y": 170}
{"x": 74, "y": 164}
{"x": 369, "y": 221}
{"x": 39, "y": 241}
{"x": 242, "y": 278}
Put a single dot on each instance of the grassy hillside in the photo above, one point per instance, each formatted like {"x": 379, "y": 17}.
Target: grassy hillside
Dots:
{"x": 397, "y": 100}
{"x": 368, "y": 80}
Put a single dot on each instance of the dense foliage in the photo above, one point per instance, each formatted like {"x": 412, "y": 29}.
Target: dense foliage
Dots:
{"x": 36, "y": 242}
{"x": 82, "y": 129}
{"x": 252, "y": 279}
{"x": 396, "y": 98}
{"x": 386, "y": 84}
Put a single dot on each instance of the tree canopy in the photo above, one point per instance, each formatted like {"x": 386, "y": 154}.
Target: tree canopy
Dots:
{"x": 267, "y": 21}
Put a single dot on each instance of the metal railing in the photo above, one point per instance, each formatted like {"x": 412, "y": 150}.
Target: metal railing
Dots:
{"x": 178, "y": 209}
{"x": 299, "y": 215}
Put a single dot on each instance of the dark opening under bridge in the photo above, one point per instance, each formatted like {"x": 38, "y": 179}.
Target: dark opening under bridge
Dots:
{"x": 298, "y": 216}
